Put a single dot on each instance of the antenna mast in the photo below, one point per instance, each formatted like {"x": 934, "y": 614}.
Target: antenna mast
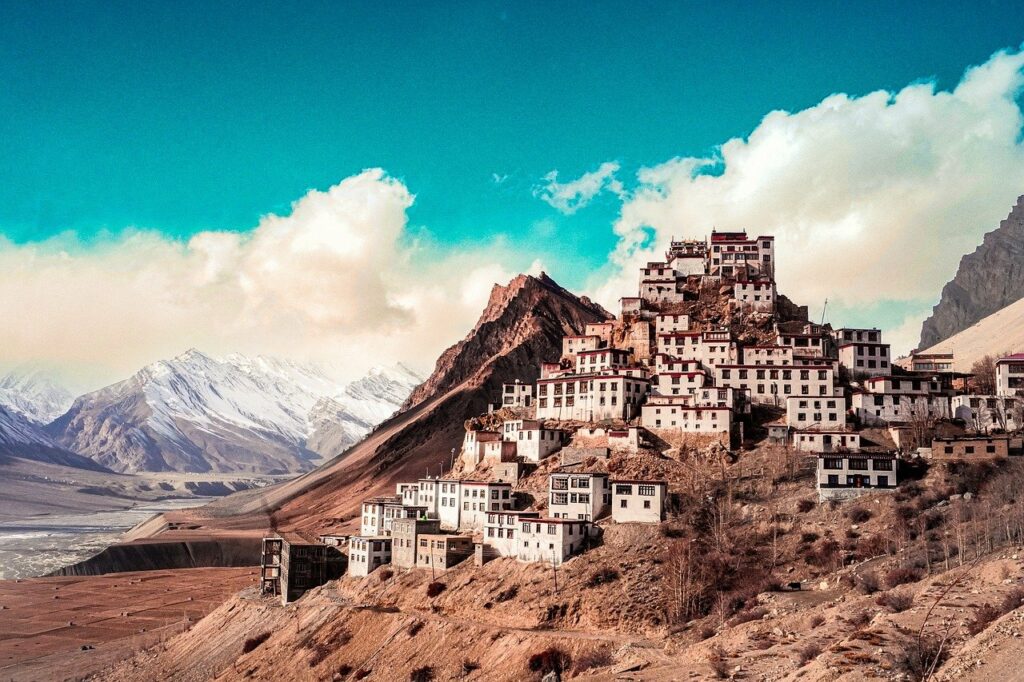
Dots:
{"x": 823, "y": 308}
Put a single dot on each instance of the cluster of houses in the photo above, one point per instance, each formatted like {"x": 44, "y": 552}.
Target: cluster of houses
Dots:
{"x": 656, "y": 375}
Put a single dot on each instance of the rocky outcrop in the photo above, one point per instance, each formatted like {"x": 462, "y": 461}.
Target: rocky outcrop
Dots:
{"x": 531, "y": 313}
{"x": 987, "y": 280}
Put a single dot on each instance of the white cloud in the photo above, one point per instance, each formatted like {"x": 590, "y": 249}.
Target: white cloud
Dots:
{"x": 571, "y": 196}
{"x": 871, "y": 198}
{"x": 337, "y": 281}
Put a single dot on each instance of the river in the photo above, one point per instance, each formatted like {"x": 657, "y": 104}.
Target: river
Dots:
{"x": 39, "y": 545}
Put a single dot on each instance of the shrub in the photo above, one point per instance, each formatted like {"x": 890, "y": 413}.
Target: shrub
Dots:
{"x": 550, "y": 660}
{"x": 823, "y": 554}
{"x": 415, "y": 627}
{"x": 424, "y": 674}
{"x": 599, "y": 658}
{"x": 718, "y": 659}
{"x": 897, "y": 602}
{"x": 873, "y": 546}
{"x": 902, "y": 576}
{"x": 254, "y": 642}
{"x": 435, "y": 588}
{"x": 344, "y": 670}
{"x": 859, "y": 514}
{"x": 817, "y": 620}
{"x": 809, "y": 537}
{"x": 672, "y": 532}
{"x": 1013, "y": 600}
{"x": 808, "y": 653}
{"x": 385, "y": 574}
{"x": 867, "y": 583}
{"x": 706, "y": 632}
{"x": 804, "y": 506}
{"x": 983, "y": 617}
{"x": 602, "y": 576}
{"x": 469, "y": 666}
{"x": 919, "y": 656}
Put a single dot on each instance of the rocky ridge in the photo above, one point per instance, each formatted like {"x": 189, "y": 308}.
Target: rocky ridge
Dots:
{"x": 989, "y": 279}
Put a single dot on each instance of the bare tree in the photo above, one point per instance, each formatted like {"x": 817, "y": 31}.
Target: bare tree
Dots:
{"x": 984, "y": 371}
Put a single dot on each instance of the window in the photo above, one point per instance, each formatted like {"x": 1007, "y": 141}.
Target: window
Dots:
{"x": 857, "y": 464}
{"x": 832, "y": 463}
{"x": 623, "y": 504}
{"x": 646, "y": 490}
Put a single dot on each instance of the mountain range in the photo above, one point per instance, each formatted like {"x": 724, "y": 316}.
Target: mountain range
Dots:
{"x": 199, "y": 414}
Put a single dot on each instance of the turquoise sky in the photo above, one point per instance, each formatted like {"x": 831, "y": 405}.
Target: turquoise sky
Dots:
{"x": 185, "y": 116}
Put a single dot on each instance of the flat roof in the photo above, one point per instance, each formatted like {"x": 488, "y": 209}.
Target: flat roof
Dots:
{"x": 638, "y": 481}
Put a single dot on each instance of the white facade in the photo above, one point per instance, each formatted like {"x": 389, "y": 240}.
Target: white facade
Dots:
{"x": 852, "y": 335}
{"x": 591, "y": 397}
{"x": 850, "y": 475}
{"x": 602, "y": 330}
{"x": 774, "y": 384}
{"x": 372, "y": 516}
{"x": 516, "y": 394}
{"x": 988, "y": 412}
{"x": 584, "y": 497}
{"x": 478, "y": 498}
{"x": 501, "y": 530}
{"x": 828, "y": 412}
{"x": 533, "y": 441}
{"x": 681, "y": 415}
{"x": 679, "y": 383}
{"x": 767, "y": 355}
{"x": 735, "y": 255}
{"x": 1010, "y": 374}
{"x": 666, "y": 324}
{"x": 808, "y": 345}
{"x": 591, "y": 361}
{"x": 550, "y": 541}
{"x": 449, "y": 508}
{"x": 825, "y": 440}
{"x": 885, "y": 408}
{"x": 571, "y": 345}
{"x": 758, "y": 296}
{"x": 862, "y": 359}
{"x": 365, "y": 554}
{"x": 639, "y": 501}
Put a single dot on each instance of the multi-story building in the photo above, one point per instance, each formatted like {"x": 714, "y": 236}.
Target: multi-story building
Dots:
{"x": 989, "y": 412}
{"x": 805, "y": 343}
{"x": 900, "y": 399}
{"x": 500, "y": 530}
{"x": 970, "y": 448}
{"x": 592, "y": 361}
{"x": 516, "y": 394}
{"x": 366, "y": 554}
{"x": 372, "y": 521}
{"x": 638, "y": 501}
{"x": 572, "y": 345}
{"x": 533, "y": 441}
{"x": 826, "y": 440}
{"x": 602, "y": 330}
{"x": 767, "y": 355}
{"x": 846, "y": 475}
{"x": 449, "y": 503}
{"x": 755, "y": 295}
{"x": 399, "y": 510}
{"x": 582, "y": 496}
{"x": 670, "y": 412}
{"x": 1010, "y": 374}
{"x": 404, "y": 533}
{"x": 666, "y": 324}
{"x": 737, "y": 256}
{"x": 291, "y": 565}
{"x": 931, "y": 362}
{"x": 592, "y": 397}
{"x": 687, "y": 257}
{"x": 551, "y": 541}
{"x": 773, "y": 384}
{"x": 861, "y": 358}
{"x": 441, "y": 552}
{"x": 480, "y": 497}
{"x": 825, "y": 412}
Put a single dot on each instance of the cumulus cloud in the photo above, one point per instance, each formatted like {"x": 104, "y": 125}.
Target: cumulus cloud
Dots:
{"x": 872, "y": 199}
{"x": 338, "y": 280}
{"x": 569, "y": 197}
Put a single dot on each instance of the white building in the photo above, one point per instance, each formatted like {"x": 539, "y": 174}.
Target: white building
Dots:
{"x": 592, "y": 361}
{"x": 679, "y": 383}
{"x": 592, "y": 397}
{"x": 773, "y": 384}
{"x": 679, "y": 413}
{"x": 473, "y": 444}
{"x": 865, "y": 359}
{"x": 533, "y": 441}
{"x": 501, "y": 527}
{"x": 876, "y": 409}
{"x": 666, "y": 324}
{"x": 854, "y": 335}
{"x": 409, "y": 492}
{"x": 449, "y": 507}
{"x": 1010, "y": 374}
{"x": 828, "y": 412}
{"x": 931, "y": 362}
{"x": 365, "y": 554}
{"x": 804, "y": 343}
{"x": 516, "y": 394}
{"x": 639, "y": 501}
{"x": 578, "y": 496}
{"x": 842, "y": 476}
{"x": 400, "y": 510}
{"x": 602, "y": 330}
{"x": 767, "y": 355}
{"x": 550, "y": 541}
{"x": 737, "y": 256}
{"x": 755, "y": 295}
{"x": 826, "y": 440}
{"x": 988, "y": 412}
{"x": 480, "y": 497}
{"x": 571, "y": 345}
{"x": 372, "y": 521}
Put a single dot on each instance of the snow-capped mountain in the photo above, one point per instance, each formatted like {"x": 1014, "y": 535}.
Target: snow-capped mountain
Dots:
{"x": 197, "y": 413}
{"x": 23, "y": 438}
{"x": 34, "y": 394}
{"x": 340, "y": 422}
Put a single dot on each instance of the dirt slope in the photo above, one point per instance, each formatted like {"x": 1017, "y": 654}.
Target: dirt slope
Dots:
{"x": 1000, "y": 332}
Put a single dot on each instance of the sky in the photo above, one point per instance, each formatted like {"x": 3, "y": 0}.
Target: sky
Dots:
{"x": 344, "y": 182}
